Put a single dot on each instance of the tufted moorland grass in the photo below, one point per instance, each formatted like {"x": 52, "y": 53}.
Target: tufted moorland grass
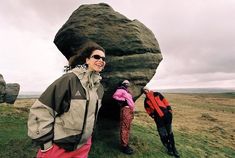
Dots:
{"x": 203, "y": 125}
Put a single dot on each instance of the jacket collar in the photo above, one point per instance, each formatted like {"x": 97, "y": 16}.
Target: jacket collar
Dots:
{"x": 88, "y": 78}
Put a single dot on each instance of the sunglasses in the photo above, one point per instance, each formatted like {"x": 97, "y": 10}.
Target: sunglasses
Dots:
{"x": 97, "y": 57}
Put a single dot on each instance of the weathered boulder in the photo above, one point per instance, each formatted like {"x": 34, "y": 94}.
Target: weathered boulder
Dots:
{"x": 8, "y": 91}
{"x": 2, "y": 89}
{"x": 12, "y": 91}
{"x": 132, "y": 50}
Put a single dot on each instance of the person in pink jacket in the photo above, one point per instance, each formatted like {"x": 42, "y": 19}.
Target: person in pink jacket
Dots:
{"x": 125, "y": 100}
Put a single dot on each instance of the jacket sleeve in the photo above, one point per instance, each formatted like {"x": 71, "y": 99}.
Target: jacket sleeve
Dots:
{"x": 53, "y": 101}
{"x": 130, "y": 101}
{"x": 123, "y": 95}
{"x": 148, "y": 109}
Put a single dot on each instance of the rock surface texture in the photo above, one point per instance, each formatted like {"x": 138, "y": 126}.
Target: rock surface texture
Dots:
{"x": 2, "y": 89}
{"x": 12, "y": 91}
{"x": 8, "y": 91}
{"x": 132, "y": 50}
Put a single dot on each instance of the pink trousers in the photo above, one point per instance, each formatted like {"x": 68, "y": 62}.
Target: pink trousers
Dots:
{"x": 126, "y": 117}
{"x": 57, "y": 152}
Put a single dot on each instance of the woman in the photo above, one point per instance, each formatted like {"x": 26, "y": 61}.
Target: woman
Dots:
{"x": 61, "y": 121}
{"x": 125, "y": 100}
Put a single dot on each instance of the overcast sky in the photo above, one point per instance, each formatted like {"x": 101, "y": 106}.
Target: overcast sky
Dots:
{"x": 196, "y": 37}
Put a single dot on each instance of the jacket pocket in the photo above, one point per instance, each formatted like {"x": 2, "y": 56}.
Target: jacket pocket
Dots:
{"x": 74, "y": 118}
{"x": 33, "y": 126}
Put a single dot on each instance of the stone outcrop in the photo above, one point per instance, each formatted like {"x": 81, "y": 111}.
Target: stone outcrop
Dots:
{"x": 8, "y": 91}
{"x": 12, "y": 91}
{"x": 2, "y": 89}
{"x": 132, "y": 50}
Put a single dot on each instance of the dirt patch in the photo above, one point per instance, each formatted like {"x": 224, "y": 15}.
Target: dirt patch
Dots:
{"x": 22, "y": 109}
{"x": 217, "y": 129}
{"x": 206, "y": 116}
{"x": 22, "y": 103}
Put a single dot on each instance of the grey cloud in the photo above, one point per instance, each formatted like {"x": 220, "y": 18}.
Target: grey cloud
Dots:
{"x": 35, "y": 15}
{"x": 200, "y": 40}
{"x": 196, "y": 37}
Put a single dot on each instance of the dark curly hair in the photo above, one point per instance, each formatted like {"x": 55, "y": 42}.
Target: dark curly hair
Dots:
{"x": 83, "y": 52}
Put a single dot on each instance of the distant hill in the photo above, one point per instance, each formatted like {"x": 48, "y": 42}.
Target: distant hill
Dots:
{"x": 198, "y": 90}
{"x": 175, "y": 90}
{"x": 29, "y": 95}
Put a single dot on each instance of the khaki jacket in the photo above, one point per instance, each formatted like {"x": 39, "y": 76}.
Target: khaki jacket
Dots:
{"x": 65, "y": 114}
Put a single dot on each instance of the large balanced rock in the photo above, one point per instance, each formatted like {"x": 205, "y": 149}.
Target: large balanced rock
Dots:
{"x": 132, "y": 50}
{"x": 12, "y": 91}
{"x": 2, "y": 89}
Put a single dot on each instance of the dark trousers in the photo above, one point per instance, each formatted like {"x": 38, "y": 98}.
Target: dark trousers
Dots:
{"x": 164, "y": 128}
{"x": 163, "y": 124}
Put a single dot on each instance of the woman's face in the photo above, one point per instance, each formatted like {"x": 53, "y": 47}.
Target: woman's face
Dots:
{"x": 96, "y": 62}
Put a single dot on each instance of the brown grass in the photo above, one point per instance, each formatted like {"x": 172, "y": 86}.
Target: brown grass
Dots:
{"x": 24, "y": 103}
{"x": 198, "y": 114}
{"x": 209, "y": 115}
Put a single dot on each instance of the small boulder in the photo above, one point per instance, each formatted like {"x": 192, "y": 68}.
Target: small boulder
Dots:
{"x": 2, "y": 89}
{"x": 12, "y": 91}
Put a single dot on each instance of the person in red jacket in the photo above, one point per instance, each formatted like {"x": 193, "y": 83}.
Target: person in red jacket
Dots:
{"x": 160, "y": 110}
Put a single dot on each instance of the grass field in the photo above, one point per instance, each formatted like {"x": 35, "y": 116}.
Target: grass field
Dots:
{"x": 203, "y": 124}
